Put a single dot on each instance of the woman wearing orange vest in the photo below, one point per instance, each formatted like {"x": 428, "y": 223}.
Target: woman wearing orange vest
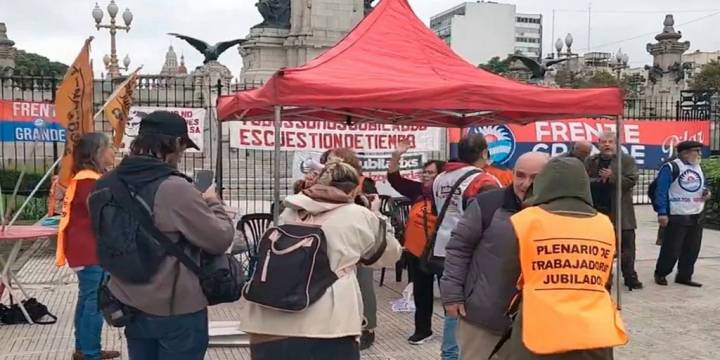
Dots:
{"x": 76, "y": 243}
{"x": 420, "y": 223}
{"x": 566, "y": 254}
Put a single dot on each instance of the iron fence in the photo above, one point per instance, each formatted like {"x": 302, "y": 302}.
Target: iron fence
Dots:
{"x": 245, "y": 174}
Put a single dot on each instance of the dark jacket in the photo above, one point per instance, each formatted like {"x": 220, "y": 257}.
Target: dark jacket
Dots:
{"x": 482, "y": 266}
{"x": 411, "y": 189}
{"x": 629, "y": 180}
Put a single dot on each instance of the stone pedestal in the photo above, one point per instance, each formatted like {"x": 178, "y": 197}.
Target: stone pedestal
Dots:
{"x": 666, "y": 77}
{"x": 263, "y": 54}
{"x": 210, "y": 73}
{"x": 315, "y": 26}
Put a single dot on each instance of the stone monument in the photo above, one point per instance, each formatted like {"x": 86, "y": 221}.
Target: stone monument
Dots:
{"x": 294, "y": 32}
{"x": 7, "y": 52}
{"x": 666, "y": 76}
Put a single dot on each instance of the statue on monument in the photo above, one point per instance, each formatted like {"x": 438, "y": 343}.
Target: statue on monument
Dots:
{"x": 211, "y": 52}
{"x": 275, "y": 13}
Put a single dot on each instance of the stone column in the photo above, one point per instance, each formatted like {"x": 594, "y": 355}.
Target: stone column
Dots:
{"x": 7, "y": 52}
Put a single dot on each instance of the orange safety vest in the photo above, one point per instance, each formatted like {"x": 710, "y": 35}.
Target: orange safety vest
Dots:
{"x": 65, "y": 217}
{"x": 565, "y": 263}
{"x": 420, "y": 224}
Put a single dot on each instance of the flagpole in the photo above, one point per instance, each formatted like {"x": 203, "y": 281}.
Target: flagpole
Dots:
{"x": 115, "y": 91}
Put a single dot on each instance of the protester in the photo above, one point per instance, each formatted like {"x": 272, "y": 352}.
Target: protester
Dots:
{"x": 92, "y": 156}
{"x": 470, "y": 180}
{"x": 171, "y": 321}
{"x": 328, "y": 328}
{"x": 603, "y": 179}
{"x": 579, "y": 150}
{"x": 502, "y": 174}
{"x": 680, "y": 203}
{"x": 312, "y": 171}
{"x": 563, "y": 312}
{"x": 367, "y": 196}
{"x": 420, "y": 224}
{"x": 482, "y": 255}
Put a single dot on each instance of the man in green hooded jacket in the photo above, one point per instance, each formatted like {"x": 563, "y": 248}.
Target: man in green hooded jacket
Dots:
{"x": 563, "y": 188}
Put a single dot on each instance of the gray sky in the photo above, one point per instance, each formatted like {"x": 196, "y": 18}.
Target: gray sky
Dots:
{"x": 57, "y": 28}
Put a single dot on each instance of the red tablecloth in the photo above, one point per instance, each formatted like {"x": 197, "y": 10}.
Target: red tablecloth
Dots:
{"x": 27, "y": 232}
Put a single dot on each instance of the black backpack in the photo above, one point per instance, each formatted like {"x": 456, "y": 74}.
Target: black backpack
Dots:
{"x": 293, "y": 269}
{"x": 123, "y": 249}
{"x": 652, "y": 189}
{"x": 221, "y": 276}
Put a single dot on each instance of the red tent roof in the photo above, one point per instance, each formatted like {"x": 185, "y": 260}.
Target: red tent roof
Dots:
{"x": 392, "y": 68}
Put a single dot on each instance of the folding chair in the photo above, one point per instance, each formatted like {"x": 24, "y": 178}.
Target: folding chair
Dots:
{"x": 253, "y": 226}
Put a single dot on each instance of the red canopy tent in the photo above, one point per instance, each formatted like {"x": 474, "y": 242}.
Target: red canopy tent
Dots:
{"x": 392, "y": 69}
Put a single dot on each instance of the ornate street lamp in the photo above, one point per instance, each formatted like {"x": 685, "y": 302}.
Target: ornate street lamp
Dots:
{"x": 111, "y": 61}
{"x": 621, "y": 62}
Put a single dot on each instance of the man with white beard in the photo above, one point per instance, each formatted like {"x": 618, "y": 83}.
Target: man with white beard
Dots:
{"x": 680, "y": 199}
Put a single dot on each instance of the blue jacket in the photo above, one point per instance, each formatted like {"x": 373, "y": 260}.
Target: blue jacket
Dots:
{"x": 664, "y": 180}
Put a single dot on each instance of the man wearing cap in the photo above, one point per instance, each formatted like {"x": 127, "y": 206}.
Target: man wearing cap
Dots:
{"x": 680, "y": 201}
{"x": 171, "y": 320}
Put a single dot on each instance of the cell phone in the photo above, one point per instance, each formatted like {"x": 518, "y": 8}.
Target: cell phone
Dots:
{"x": 203, "y": 179}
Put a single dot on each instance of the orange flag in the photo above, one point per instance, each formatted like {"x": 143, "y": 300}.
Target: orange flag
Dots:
{"x": 117, "y": 106}
{"x": 74, "y": 108}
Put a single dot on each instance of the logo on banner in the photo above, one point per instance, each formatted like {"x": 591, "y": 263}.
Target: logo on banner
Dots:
{"x": 501, "y": 142}
{"x": 690, "y": 181}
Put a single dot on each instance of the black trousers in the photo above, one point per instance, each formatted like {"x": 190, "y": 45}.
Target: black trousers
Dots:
{"x": 345, "y": 348}
{"x": 422, "y": 295}
{"x": 681, "y": 245}
{"x": 627, "y": 258}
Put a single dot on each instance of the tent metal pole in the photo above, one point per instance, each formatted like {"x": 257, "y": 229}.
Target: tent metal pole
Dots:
{"x": 618, "y": 207}
{"x": 276, "y": 166}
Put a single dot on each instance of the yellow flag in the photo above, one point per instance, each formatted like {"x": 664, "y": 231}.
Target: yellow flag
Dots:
{"x": 74, "y": 108}
{"x": 117, "y": 107}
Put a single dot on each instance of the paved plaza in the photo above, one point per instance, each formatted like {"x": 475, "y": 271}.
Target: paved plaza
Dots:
{"x": 670, "y": 323}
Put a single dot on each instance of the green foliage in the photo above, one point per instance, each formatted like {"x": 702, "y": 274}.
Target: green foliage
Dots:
{"x": 8, "y": 178}
{"x": 33, "y": 211}
{"x": 711, "y": 169}
{"x": 708, "y": 78}
{"x": 566, "y": 78}
{"x": 33, "y": 64}
{"x": 496, "y": 66}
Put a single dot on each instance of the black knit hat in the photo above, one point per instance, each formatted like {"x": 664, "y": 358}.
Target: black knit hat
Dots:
{"x": 166, "y": 123}
{"x": 687, "y": 145}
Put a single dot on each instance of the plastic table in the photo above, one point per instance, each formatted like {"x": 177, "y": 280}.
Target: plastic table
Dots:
{"x": 17, "y": 234}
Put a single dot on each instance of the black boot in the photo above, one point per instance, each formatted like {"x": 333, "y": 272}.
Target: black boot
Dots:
{"x": 688, "y": 282}
{"x": 660, "y": 280}
{"x": 367, "y": 339}
{"x": 633, "y": 283}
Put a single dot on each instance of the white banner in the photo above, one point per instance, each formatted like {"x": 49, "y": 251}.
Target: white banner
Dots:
{"x": 194, "y": 117}
{"x": 374, "y": 166}
{"x": 324, "y": 135}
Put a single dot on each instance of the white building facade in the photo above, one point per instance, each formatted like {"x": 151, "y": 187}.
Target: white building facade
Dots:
{"x": 480, "y": 31}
